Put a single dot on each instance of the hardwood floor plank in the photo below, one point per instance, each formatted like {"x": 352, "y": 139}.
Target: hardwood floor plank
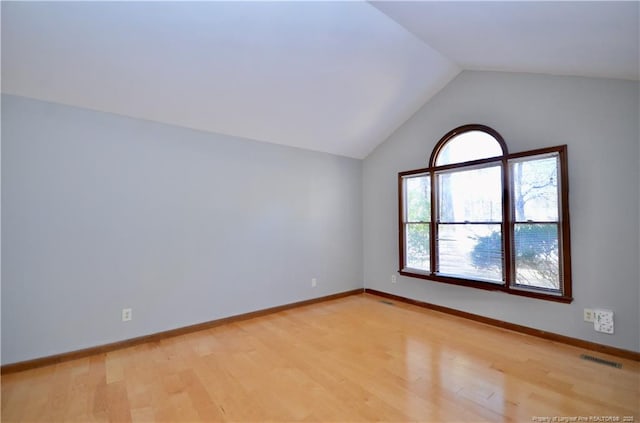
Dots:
{"x": 118, "y": 407}
{"x": 351, "y": 359}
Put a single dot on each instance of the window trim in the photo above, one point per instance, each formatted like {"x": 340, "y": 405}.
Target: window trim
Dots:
{"x": 508, "y": 286}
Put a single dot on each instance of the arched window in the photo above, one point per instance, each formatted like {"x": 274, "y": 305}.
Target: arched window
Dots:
{"x": 479, "y": 216}
{"x": 468, "y": 143}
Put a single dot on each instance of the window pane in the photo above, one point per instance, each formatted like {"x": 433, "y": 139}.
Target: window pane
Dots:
{"x": 472, "y": 145}
{"x": 472, "y": 251}
{"x": 417, "y": 246}
{"x": 536, "y": 255}
{"x": 471, "y": 195}
{"x": 418, "y": 197}
{"x": 535, "y": 189}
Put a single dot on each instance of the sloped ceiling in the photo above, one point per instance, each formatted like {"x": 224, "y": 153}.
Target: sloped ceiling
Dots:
{"x": 337, "y": 77}
{"x": 598, "y": 39}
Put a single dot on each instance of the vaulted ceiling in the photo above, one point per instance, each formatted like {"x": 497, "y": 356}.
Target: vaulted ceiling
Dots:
{"x": 337, "y": 77}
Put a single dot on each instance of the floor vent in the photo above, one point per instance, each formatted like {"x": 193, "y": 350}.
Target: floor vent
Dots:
{"x": 386, "y": 302}
{"x": 601, "y": 361}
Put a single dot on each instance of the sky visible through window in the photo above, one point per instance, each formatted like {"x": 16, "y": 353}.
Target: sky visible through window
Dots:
{"x": 472, "y": 145}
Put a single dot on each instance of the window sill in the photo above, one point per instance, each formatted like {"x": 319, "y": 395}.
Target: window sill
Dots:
{"x": 489, "y": 286}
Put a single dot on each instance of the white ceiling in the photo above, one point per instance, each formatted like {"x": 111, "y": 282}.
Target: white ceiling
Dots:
{"x": 599, "y": 39}
{"x": 337, "y": 77}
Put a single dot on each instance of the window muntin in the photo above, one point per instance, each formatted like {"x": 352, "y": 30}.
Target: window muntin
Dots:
{"x": 500, "y": 221}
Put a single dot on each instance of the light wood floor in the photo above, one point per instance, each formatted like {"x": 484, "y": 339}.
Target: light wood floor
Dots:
{"x": 347, "y": 360}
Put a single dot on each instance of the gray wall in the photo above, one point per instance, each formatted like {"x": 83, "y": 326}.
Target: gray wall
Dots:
{"x": 102, "y": 212}
{"x": 598, "y": 119}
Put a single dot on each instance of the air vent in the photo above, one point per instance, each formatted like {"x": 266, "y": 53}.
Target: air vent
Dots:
{"x": 601, "y": 361}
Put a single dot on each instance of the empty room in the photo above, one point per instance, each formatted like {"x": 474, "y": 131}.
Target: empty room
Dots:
{"x": 340, "y": 211}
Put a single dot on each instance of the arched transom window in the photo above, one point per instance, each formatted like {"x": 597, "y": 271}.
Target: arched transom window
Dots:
{"x": 481, "y": 217}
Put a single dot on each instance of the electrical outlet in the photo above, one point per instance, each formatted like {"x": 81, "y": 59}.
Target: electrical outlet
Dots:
{"x": 394, "y": 279}
{"x": 603, "y": 321}
{"x": 314, "y": 282}
{"x": 588, "y": 315}
{"x": 126, "y": 314}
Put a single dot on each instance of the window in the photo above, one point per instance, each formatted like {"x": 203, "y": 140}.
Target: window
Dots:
{"x": 481, "y": 217}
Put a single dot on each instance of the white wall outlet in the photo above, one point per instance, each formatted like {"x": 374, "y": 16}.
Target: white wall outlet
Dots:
{"x": 314, "y": 282}
{"x": 588, "y": 315}
{"x": 603, "y": 321}
{"x": 126, "y": 314}
{"x": 394, "y": 279}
